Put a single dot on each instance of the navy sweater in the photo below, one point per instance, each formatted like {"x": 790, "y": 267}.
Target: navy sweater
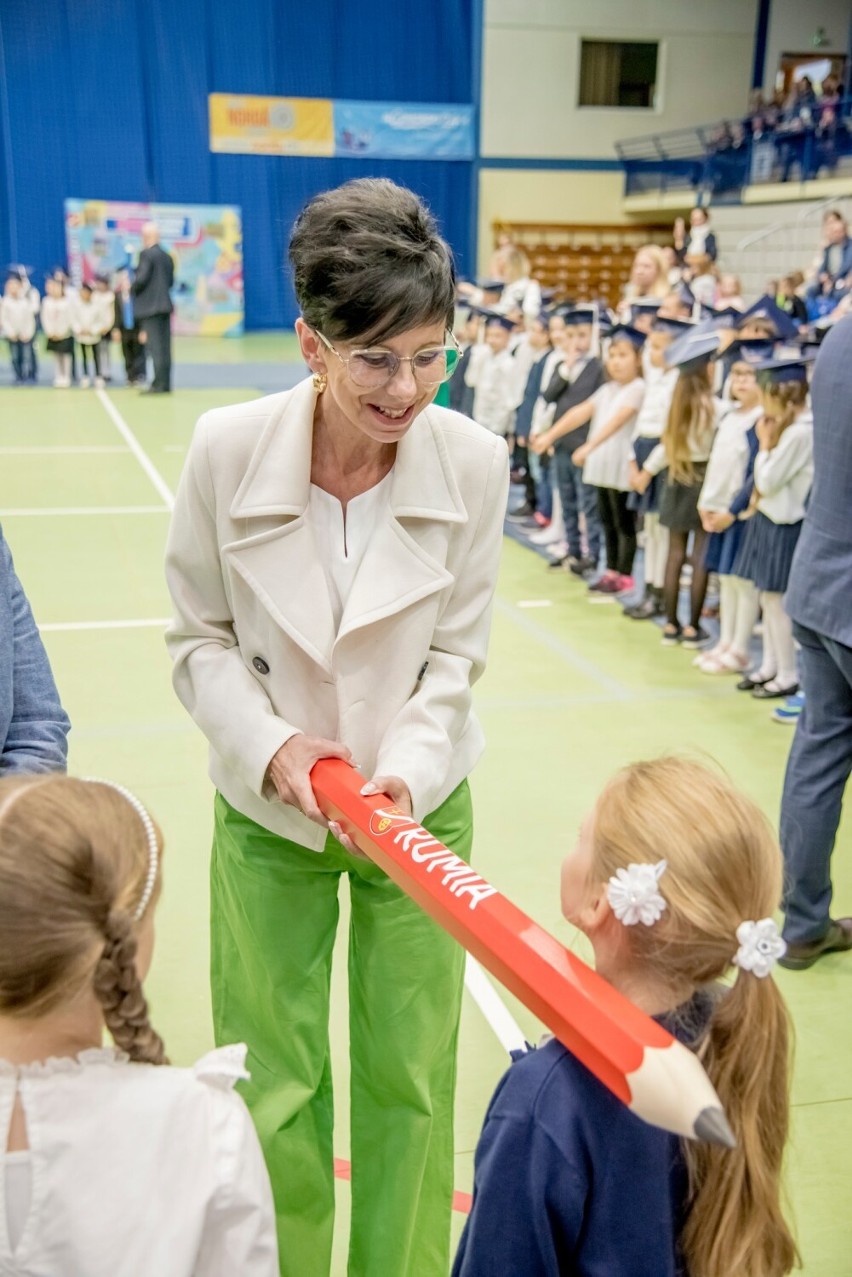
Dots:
{"x": 570, "y": 1183}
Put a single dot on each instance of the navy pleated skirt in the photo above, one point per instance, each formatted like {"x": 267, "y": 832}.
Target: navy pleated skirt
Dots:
{"x": 766, "y": 553}
{"x": 647, "y": 502}
{"x": 723, "y": 548}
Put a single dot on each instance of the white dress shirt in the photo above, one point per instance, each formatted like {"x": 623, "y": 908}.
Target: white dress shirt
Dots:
{"x": 728, "y": 462}
{"x": 342, "y": 538}
{"x": 783, "y": 476}
{"x": 134, "y": 1169}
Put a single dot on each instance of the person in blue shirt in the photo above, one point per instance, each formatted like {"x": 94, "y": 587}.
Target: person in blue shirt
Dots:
{"x": 673, "y": 879}
{"x": 33, "y": 725}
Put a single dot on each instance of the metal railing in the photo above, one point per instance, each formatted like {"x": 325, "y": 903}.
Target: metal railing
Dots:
{"x": 718, "y": 160}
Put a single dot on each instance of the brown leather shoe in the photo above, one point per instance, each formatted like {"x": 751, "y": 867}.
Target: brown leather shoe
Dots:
{"x": 836, "y": 939}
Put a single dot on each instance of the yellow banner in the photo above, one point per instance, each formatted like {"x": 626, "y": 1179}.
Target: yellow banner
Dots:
{"x": 271, "y": 126}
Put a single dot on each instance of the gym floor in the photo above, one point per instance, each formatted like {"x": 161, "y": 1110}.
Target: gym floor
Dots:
{"x": 572, "y": 692}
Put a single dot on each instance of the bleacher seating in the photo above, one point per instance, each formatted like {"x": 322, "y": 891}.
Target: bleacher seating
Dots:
{"x": 582, "y": 262}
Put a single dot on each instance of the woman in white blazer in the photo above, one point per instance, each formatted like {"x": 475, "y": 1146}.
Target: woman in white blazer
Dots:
{"x": 332, "y": 562}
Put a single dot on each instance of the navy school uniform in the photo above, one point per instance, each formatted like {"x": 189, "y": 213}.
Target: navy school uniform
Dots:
{"x": 723, "y": 547}
{"x": 570, "y": 1183}
{"x": 461, "y": 394}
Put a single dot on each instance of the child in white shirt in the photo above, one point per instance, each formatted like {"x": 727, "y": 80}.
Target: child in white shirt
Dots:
{"x": 86, "y": 321}
{"x": 56, "y": 322}
{"x": 491, "y": 373}
{"x": 114, "y": 1164}
{"x": 18, "y": 326}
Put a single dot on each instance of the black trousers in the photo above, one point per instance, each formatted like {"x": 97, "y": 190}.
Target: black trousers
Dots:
{"x": 134, "y": 354}
{"x": 158, "y": 331}
{"x": 619, "y": 528}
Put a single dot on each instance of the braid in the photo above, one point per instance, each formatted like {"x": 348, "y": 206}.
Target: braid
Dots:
{"x": 119, "y": 991}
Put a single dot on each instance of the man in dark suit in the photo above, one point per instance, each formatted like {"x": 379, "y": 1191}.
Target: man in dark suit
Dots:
{"x": 818, "y": 600}
{"x": 152, "y": 306}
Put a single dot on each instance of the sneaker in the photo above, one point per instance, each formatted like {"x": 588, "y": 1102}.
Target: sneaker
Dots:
{"x": 581, "y": 566}
{"x": 695, "y": 639}
{"x": 84, "y": 382}
{"x": 521, "y": 513}
{"x": 544, "y": 536}
{"x": 790, "y": 711}
{"x": 626, "y": 585}
{"x": 608, "y": 584}
{"x": 99, "y": 383}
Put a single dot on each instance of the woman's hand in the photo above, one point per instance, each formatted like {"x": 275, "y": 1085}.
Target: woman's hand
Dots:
{"x": 290, "y": 771}
{"x": 396, "y": 790}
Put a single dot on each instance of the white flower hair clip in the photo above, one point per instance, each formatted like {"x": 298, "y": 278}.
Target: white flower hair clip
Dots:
{"x": 633, "y": 895}
{"x": 760, "y": 947}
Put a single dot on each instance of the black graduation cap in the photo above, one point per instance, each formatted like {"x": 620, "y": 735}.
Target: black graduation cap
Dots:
{"x": 490, "y": 285}
{"x": 725, "y": 317}
{"x": 692, "y": 351}
{"x": 626, "y": 332}
{"x": 676, "y": 327}
{"x": 493, "y": 317}
{"x": 767, "y": 308}
{"x": 785, "y": 368}
{"x": 644, "y": 306}
{"x": 751, "y": 350}
{"x": 575, "y": 315}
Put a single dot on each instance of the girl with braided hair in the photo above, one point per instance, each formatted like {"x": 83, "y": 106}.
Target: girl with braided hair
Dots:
{"x": 112, "y": 1164}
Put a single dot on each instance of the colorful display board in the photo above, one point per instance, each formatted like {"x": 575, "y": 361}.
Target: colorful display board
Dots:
{"x": 205, "y": 240}
{"x": 251, "y": 125}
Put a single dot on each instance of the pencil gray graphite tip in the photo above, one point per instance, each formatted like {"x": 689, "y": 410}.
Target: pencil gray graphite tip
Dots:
{"x": 711, "y": 1126}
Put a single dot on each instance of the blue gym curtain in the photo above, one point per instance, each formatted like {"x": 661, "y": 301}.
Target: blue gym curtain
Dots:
{"x": 109, "y": 100}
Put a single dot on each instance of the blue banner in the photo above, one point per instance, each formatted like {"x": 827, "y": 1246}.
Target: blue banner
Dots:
{"x": 403, "y": 130}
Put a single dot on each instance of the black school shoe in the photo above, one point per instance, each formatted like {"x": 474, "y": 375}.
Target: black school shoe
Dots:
{"x": 837, "y": 939}
{"x": 698, "y": 638}
{"x": 749, "y": 683}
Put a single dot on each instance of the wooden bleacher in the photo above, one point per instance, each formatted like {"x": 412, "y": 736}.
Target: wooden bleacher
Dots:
{"x": 581, "y": 262}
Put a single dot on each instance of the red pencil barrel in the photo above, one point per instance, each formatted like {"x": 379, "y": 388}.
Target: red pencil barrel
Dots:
{"x": 595, "y": 1022}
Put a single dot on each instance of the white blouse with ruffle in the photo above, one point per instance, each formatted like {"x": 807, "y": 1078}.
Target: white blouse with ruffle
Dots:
{"x": 133, "y": 1169}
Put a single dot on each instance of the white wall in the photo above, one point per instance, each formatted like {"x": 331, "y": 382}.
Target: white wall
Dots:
{"x": 792, "y": 24}
{"x": 531, "y": 70}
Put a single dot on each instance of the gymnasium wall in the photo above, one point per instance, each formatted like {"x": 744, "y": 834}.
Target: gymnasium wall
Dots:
{"x": 109, "y": 100}
{"x": 793, "y": 24}
{"x": 531, "y": 69}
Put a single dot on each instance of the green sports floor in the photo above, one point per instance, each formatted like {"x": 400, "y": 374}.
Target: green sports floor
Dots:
{"x": 572, "y": 691}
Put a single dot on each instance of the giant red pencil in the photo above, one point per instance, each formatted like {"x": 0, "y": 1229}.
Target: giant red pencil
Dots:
{"x": 648, "y": 1069}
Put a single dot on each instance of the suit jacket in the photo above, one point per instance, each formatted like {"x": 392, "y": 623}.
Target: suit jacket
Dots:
{"x": 820, "y": 585}
{"x": 33, "y": 725}
{"x": 567, "y": 394}
{"x": 256, "y": 655}
{"x": 155, "y": 275}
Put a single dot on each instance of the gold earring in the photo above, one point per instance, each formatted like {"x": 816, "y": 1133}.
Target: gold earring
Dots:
{"x": 320, "y": 380}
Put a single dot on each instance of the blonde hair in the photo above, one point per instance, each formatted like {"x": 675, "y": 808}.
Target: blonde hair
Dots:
{"x": 73, "y": 864}
{"x": 724, "y": 867}
{"x": 514, "y": 263}
{"x": 660, "y": 287}
{"x": 690, "y": 421}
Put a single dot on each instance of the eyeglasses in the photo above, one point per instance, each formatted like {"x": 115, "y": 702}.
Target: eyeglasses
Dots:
{"x": 376, "y": 367}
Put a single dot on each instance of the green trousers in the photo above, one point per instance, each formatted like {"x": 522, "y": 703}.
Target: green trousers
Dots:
{"x": 274, "y": 916}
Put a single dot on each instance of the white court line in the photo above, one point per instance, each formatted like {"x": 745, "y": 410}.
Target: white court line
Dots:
{"x": 506, "y": 1029}
{"x": 60, "y": 627}
{"x": 136, "y": 448}
{"x": 535, "y": 603}
{"x": 80, "y": 450}
{"x": 63, "y": 510}
{"x": 618, "y": 690}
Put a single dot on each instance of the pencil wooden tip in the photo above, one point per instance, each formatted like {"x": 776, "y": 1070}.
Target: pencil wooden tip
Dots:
{"x": 711, "y": 1126}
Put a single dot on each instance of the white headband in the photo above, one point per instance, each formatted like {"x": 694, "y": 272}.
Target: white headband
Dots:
{"x": 150, "y": 834}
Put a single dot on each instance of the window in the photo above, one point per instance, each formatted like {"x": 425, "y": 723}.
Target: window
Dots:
{"x": 615, "y": 73}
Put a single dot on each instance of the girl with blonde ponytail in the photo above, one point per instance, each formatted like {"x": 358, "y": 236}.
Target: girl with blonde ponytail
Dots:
{"x": 674, "y": 880}
{"x": 110, "y": 1163}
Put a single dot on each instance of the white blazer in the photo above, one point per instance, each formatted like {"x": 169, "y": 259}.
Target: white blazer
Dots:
{"x": 256, "y": 656}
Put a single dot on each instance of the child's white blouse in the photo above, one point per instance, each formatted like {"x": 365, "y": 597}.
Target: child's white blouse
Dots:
{"x": 133, "y": 1169}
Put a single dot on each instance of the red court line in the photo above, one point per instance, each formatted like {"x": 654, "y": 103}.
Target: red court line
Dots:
{"x": 461, "y": 1201}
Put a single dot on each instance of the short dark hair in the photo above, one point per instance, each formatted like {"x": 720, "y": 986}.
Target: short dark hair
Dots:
{"x": 368, "y": 262}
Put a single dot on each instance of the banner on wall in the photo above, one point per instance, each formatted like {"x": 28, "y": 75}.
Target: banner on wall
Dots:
{"x": 205, "y": 240}
{"x": 314, "y": 126}
{"x": 271, "y": 126}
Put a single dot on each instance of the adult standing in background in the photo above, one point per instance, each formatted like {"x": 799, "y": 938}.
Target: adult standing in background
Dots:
{"x": 33, "y": 725}
{"x": 835, "y": 266}
{"x": 153, "y": 308}
{"x": 818, "y": 601}
{"x": 332, "y": 561}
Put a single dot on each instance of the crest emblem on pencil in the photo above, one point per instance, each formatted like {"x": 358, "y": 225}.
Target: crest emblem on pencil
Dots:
{"x": 386, "y": 818}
